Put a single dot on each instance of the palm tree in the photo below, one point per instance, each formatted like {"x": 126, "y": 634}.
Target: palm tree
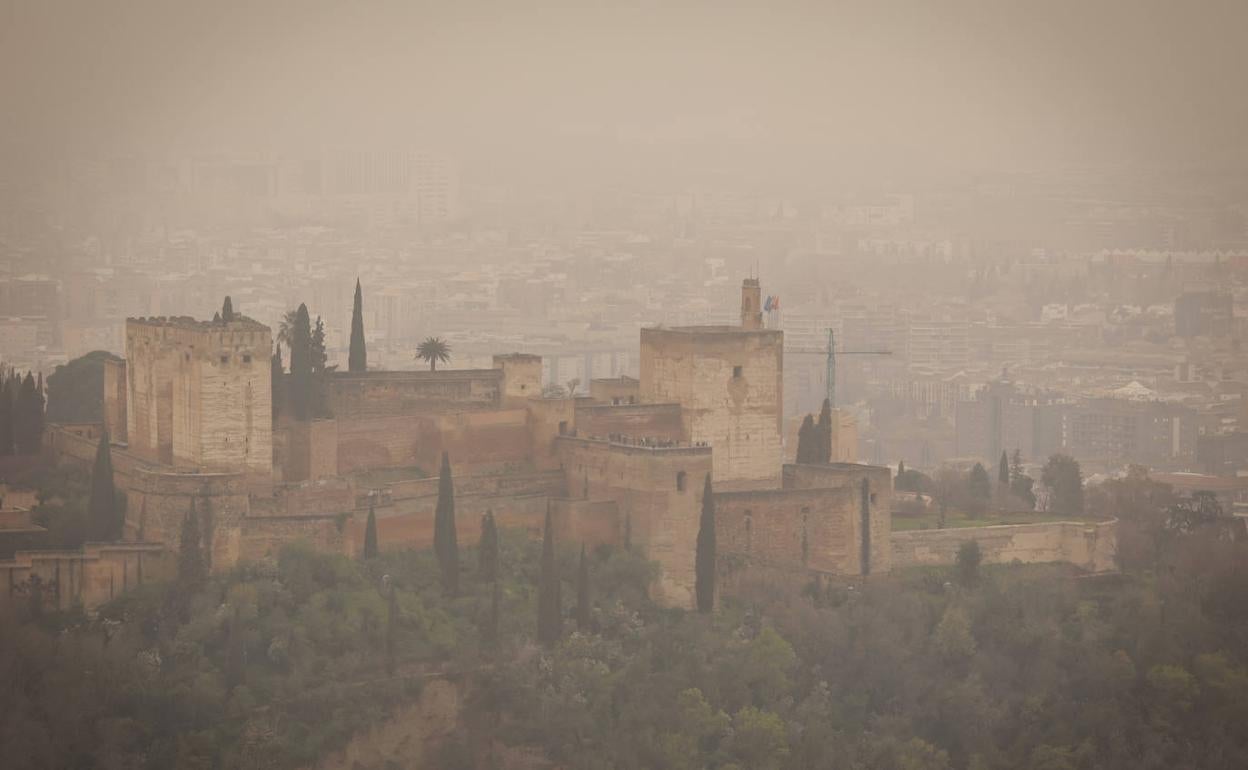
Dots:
{"x": 434, "y": 350}
{"x": 286, "y": 330}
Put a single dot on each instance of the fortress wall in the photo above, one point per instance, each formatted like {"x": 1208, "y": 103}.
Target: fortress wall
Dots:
{"x": 1089, "y": 546}
{"x": 410, "y": 525}
{"x": 306, "y": 450}
{"x": 615, "y": 390}
{"x": 646, "y": 485}
{"x": 158, "y": 498}
{"x": 115, "y": 398}
{"x": 873, "y": 489}
{"x": 92, "y": 576}
{"x": 423, "y": 492}
{"x": 405, "y": 508}
{"x": 813, "y": 529}
{"x": 587, "y": 522}
{"x": 376, "y": 442}
{"x": 476, "y": 441}
{"x": 393, "y": 394}
{"x": 662, "y": 421}
{"x": 263, "y": 537}
{"x": 550, "y": 418}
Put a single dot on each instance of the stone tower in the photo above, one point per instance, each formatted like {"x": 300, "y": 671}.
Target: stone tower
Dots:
{"x": 729, "y": 382}
{"x": 751, "y": 304}
{"x": 199, "y": 393}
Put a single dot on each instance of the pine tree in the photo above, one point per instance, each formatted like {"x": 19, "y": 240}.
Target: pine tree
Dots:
{"x": 487, "y": 551}
{"x": 301, "y": 365}
{"x": 1003, "y": 471}
{"x": 549, "y": 601}
{"x": 357, "y": 356}
{"x": 103, "y": 523}
{"x": 824, "y": 450}
{"x": 392, "y": 628}
{"x": 582, "y": 593}
{"x": 277, "y": 383}
{"x": 1062, "y": 475}
{"x": 370, "y": 534}
{"x": 704, "y": 561}
{"x": 445, "y": 544}
{"x": 806, "y": 441}
{"x": 227, "y": 310}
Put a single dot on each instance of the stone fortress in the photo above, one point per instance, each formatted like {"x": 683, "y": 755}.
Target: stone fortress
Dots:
{"x": 189, "y": 412}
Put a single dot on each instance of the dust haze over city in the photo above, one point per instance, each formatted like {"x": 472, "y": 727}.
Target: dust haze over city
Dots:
{"x": 594, "y": 385}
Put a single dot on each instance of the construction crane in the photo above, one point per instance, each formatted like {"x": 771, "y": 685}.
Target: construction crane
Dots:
{"x": 831, "y": 352}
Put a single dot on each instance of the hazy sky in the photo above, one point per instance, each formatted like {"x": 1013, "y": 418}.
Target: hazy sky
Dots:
{"x": 829, "y": 87}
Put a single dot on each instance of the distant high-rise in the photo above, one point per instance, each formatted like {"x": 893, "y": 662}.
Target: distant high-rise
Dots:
{"x": 1203, "y": 314}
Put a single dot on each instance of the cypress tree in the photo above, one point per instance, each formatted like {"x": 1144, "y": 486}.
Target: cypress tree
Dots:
{"x": 319, "y": 355}
{"x": 901, "y": 468}
{"x": 628, "y": 531}
{"x": 192, "y": 571}
{"x": 103, "y": 523}
{"x": 357, "y": 357}
{"x": 549, "y": 602}
{"x": 1003, "y": 471}
{"x": 370, "y": 534}
{"x": 824, "y": 451}
{"x": 28, "y": 417}
{"x": 301, "y": 365}
{"x": 227, "y": 310}
{"x": 496, "y": 600}
{"x": 487, "y": 551}
{"x": 6, "y": 416}
{"x": 445, "y": 544}
{"x": 392, "y": 628}
{"x": 806, "y": 440}
{"x": 235, "y": 655}
{"x": 320, "y": 360}
{"x": 277, "y": 382}
{"x": 582, "y": 593}
{"x": 704, "y": 562}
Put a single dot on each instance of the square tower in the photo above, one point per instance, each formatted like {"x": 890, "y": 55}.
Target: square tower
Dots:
{"x": 200, "y": 394}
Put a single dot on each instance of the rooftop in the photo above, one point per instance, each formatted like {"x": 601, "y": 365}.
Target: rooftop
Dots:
{"x": 240, "y": 323}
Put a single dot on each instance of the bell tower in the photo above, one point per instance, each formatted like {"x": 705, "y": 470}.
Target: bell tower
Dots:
{"x": 751, "y": 304}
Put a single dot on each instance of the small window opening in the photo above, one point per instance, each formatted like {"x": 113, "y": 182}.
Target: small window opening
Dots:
{"x": 680, "y": 481}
